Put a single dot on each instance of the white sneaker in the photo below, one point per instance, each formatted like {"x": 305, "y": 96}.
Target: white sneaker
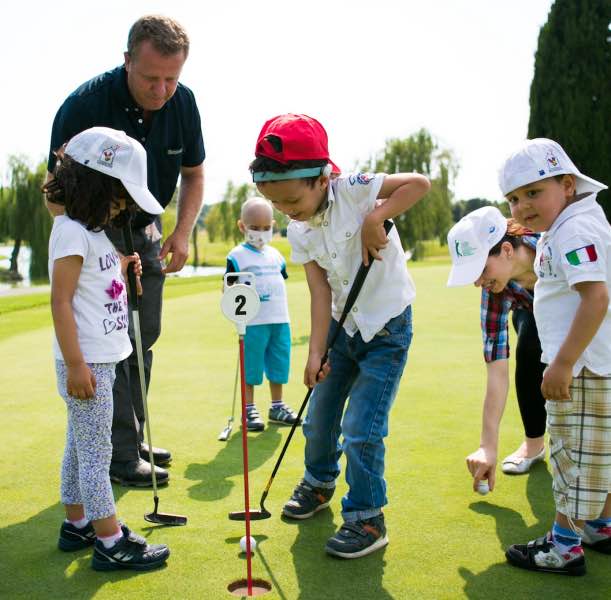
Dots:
{"x": 598, "y": 539}
{"x": 518, "y": 465}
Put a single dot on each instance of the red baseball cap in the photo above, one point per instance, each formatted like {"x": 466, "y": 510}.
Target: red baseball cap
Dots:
{"x": 301, "y": 137}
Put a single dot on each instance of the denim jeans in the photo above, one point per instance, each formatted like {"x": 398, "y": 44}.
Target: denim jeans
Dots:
{"x": 369, "y": 375}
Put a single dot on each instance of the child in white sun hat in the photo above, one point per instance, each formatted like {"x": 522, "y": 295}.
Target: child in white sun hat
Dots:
{"x": 547, "y": 193}
{"x": 497, "y": 254}
{"x": 100, "y": 174}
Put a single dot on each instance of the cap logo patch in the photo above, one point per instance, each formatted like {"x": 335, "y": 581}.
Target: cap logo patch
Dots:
{"x": 107, "y": 156}
{"x": 552, "y": 162}
{"x": 464, "y": 248}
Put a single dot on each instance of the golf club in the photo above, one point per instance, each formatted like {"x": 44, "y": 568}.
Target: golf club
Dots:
{"x": 134, "y": 304}
{"x": 224, "y": 435}
{"x": 262, "y": 512}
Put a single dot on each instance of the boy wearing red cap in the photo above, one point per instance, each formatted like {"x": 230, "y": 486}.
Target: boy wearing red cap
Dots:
{"x": 336, "y": 222}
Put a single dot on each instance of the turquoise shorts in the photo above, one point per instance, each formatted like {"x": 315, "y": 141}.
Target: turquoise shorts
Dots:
{"x": 267, "y": 348}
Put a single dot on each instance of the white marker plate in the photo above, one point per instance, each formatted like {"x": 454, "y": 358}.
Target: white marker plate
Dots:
{"x": 240, "y": 302}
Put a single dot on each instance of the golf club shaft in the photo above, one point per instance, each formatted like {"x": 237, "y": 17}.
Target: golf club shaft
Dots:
{"x": 134, "y": 302}
{"x": 235, "y": 387}
{"x": 245, "y": 459}
{"x": 357, "y": 284}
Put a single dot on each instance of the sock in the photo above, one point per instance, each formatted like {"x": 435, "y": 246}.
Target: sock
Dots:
{"x": 111, "y": 540}
{"x": 249, "y": 406}
{"x": 564, "y": 539}
{"x": 277, "y": 403}
{"x": 600, "y": 523}
{"x": 80, "y": 523}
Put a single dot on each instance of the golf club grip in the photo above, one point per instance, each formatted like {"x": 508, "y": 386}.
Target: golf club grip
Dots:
{"x": 128, "y": 241}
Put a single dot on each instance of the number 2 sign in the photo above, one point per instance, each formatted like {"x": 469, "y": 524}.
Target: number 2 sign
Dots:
{"x": 240, "y": 302}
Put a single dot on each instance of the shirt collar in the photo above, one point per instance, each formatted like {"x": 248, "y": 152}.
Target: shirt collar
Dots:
{"x": 580, "y": 206}
{"x": 317, "y": 219}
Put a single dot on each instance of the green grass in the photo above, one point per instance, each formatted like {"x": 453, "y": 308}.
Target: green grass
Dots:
{"x": 446, "y": 542}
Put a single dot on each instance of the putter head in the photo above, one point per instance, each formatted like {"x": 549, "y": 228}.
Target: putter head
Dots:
{"x": 256, "y": 514}
{"x": 165, "y": 519}
{"x": 224, "y": 435}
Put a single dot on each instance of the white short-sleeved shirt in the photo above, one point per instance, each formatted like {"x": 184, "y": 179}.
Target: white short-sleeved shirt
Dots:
{"x": 269, "y": 269}
{"x": 334, "y": 242}
{"x": 576, "y": 248}
{"x": 100, "y": 299}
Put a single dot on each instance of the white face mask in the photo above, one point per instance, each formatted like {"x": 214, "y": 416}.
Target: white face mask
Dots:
{"x": 258, "y": 239}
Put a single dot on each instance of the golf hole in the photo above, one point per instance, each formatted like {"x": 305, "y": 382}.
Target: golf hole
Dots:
{"x": 240, "y": 587}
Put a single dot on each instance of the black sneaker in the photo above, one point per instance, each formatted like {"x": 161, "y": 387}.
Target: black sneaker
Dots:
{"x": 72, "y": 538}
{"x": 358, "y": 538}
{"x": 543, "y": 555}
{"x": 283, "y": 414}
{"x": 254, "y": 422}
{"x": 130, "y": 552}
{"x": 307, "y": 500}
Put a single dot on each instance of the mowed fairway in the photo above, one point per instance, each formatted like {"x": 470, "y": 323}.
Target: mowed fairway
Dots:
{"x": 445, "y": 541}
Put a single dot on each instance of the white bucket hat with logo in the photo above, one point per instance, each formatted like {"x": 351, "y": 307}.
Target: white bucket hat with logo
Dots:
{"x": 115, "y": 153}
{"x": 539, "y": 159}
{"x": 470, "y": 241}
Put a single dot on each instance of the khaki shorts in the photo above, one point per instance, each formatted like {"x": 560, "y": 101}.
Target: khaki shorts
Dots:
{"x": 580, "y": 446}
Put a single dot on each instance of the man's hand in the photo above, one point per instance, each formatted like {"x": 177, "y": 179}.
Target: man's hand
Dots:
{"x": 313, "y": 372}
{"x": 482, "y": 466}
{"x": 177, "y": 244}
{"x": 373, "y": 238}
{"x": 556, "y": 381}
{"x": 81, "y": 382}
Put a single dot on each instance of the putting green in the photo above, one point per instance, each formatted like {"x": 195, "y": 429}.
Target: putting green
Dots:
{"x": 445, "y": 541}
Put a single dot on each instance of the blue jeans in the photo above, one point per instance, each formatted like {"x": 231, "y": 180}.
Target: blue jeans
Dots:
{"x": 369, "y": 374}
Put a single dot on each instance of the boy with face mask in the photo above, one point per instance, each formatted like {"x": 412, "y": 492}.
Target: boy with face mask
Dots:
{"x": 267, "y": 343}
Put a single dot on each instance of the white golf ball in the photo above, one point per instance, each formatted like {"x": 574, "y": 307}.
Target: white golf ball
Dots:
{"x": 483, "y": 488}
{"x": 253, "y": 544}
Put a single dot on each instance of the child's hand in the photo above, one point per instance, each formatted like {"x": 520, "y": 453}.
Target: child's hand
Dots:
{"x": 373, "y": 238}
{"x": 482, "y": 466}
{"x": 314, "y": 373}
{"x": 134, "y": 258}
{"x": 81, "y": 382}
{"x": 556, "y": 381}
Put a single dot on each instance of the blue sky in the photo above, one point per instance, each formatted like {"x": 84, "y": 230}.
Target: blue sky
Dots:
{"x": 367, "y": 70}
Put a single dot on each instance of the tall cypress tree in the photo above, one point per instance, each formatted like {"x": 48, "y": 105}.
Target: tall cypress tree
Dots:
{"x": 569, "y": 94}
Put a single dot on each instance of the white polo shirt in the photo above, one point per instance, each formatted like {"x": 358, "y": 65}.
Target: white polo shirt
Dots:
{"x": 334, "y": 242}
{"x": 99, "y": 303}
{"x": 576, "y": 248}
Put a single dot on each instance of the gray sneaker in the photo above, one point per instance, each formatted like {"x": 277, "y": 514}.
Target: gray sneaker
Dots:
{"x": 307, "y": 500}
{"x": 358, "y": 538}
{"x": 283, "y": 414}
{"x": 597, "y": 538}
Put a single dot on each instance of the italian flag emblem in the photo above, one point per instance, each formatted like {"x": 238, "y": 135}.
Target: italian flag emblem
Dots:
{"x": 582, "y": 255}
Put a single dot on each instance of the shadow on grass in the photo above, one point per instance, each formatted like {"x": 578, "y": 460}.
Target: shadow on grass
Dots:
{"x": 320, "y": 575}
{"x": 215, "y": 476}
{"x": 504, "y": 581}
{"x": 32, "y": 567}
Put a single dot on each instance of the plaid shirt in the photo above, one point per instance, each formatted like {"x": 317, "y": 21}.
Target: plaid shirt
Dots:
{"x": 495, "y": 310}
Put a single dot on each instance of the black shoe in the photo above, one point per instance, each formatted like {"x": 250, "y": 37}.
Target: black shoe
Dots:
{"x": 543, "y": 555}
{"x": 72, "y": 538}
{"x": 358, "y": 538}
{"x": 254, "y": 422}
{"x": 137, "y": 473}
{"x": 307, "y": 500}
{"x": 161, "y": 456}
{"x": 130, "y": 552}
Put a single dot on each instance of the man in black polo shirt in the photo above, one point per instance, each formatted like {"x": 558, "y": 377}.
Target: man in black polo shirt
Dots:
{"x": 144, "y": 99}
